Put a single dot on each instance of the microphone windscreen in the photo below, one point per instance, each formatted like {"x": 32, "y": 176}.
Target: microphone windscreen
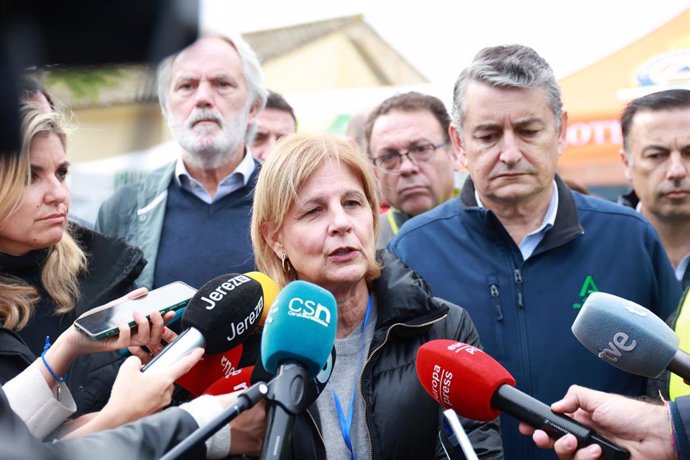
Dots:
{"x": 225, "y": 310}
{"x": 237, "y": 380}
{"x": 210, "y": 369}
{"x": 625, "y": 334}
{"x": 300, "y": 327}
{"x": 314, "y": 386}
{"x": 270, "y": 289}
{"x": 461, "y": 377}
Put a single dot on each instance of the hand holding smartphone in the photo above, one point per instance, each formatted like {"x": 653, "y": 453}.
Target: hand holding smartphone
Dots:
{"x": 103, "y": 323}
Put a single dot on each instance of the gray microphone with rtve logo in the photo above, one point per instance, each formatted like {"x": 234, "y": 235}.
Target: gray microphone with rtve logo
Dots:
{"x": 629, "y": 337}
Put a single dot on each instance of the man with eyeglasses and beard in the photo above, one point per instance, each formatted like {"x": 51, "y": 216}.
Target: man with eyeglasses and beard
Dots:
{"x": 191, "y": 217}
{"x": 407, "y": 137}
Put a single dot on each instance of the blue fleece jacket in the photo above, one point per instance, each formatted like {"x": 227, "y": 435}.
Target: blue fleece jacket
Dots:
{"x": 523, "y": 310}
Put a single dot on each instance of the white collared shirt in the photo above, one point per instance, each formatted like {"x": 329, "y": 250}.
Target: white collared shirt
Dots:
{"x": 682, "y": 266}
{"x": 233, "y": 181}
{"x": 530, "y": 242}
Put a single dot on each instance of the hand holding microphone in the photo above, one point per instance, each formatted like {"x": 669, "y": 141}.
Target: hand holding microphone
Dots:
{"x": 297, "y": 341}
{"x": 641, "y": 427}
{"x": 469, "y": 381}
{"x": 134, "y": 395}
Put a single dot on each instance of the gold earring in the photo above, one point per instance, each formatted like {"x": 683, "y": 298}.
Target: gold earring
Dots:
{"x": 282, "y": 261}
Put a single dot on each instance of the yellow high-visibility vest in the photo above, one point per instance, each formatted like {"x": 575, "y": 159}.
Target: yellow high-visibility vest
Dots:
{"x": 677, "y": 387}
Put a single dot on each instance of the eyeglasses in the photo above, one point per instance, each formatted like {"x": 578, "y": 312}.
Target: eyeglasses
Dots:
{"x": 390, "y": 160}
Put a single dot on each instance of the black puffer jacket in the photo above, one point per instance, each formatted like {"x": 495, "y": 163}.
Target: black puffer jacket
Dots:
{"x": 112, "y": 267}
{"x": 402, "y": 420}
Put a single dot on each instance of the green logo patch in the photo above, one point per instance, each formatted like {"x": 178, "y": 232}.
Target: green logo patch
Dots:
{"x": 587, "y": 288}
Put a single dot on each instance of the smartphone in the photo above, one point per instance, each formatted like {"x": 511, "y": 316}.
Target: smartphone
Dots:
{"x": 103, "y": 324}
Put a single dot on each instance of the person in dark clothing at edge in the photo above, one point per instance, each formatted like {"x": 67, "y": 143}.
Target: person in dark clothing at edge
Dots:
{"x": 656, "y": 155}
{"x": 52, "y": 270}
{"x": 518, "y": 249}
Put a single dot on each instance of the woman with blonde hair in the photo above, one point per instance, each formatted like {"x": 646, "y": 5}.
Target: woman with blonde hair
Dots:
{"x": 315, "y": 218}
{"x": 52, "y": 270}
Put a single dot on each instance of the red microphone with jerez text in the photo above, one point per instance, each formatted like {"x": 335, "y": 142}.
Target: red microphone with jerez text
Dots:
{"x": 469, "y": 381}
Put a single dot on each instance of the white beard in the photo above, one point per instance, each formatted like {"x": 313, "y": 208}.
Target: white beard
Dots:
{"x": 207, "y": 147}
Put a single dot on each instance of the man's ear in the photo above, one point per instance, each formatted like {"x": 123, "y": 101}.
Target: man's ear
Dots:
{"x": 562, "y": 131}
{"x": 627, "y": 163}
{"x": 458, "y": 150}
{"x": 253, "y": 114}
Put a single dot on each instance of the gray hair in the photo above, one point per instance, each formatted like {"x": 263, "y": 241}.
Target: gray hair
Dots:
{"x": 511, "y": 66}
{"x": 250, "y": 66}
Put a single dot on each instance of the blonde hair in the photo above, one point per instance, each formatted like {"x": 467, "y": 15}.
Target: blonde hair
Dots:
{"x": 65, "y": 260}
{"x": 293, "y": 161}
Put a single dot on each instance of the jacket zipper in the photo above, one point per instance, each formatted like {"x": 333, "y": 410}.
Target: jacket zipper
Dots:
{"x": 493, "y": 290}
{"x": 518, "y": 283}
{"x": 318, "y": 432}
{"x": 371, "y": 355}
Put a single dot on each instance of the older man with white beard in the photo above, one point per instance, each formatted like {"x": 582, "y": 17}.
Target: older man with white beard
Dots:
{"x": 191, "y": 217}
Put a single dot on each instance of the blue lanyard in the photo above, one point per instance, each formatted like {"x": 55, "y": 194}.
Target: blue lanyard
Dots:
{"x": 346, "y": 421}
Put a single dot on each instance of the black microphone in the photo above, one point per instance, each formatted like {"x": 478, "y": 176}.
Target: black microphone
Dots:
{"x": 220, "y": 315}
{"x": 297, "y": 340}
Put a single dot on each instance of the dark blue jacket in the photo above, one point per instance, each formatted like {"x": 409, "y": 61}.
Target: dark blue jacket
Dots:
{"x": 523, "y": 310}
{"x": 402, "y": 420}
{"x": 112, "y": 267}
{"x": 680, "y": 417}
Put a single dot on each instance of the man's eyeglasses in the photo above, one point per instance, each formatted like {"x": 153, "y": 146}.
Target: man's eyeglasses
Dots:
{"x": 390, "y": 160}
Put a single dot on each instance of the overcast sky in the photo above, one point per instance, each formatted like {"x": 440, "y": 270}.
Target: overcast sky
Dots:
{"x": 440, "y": 37}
